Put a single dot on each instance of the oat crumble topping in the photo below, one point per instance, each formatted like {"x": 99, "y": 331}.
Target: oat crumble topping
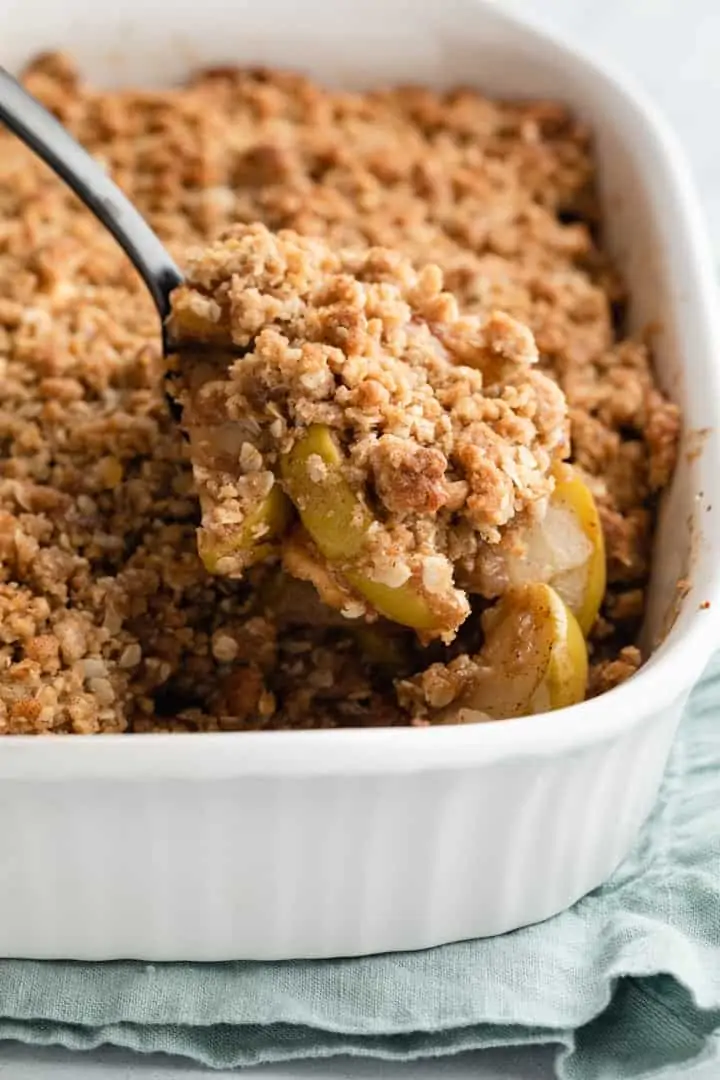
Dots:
{"x": 109, "y": 621}
{"x": 447, "y": 432}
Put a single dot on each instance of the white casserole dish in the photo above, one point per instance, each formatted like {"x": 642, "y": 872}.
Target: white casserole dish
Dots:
{"x": 321, "y": 843}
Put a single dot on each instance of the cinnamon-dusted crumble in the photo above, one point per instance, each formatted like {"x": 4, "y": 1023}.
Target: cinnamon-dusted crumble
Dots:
{"x": 108, "y": 619}
{"x": 445, "y": 431}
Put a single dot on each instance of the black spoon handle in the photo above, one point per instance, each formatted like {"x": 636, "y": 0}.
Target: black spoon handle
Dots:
{"x": 32, "y": 123}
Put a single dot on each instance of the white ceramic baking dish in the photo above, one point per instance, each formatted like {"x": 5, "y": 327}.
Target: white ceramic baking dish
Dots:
{"x": 347, "y": 842}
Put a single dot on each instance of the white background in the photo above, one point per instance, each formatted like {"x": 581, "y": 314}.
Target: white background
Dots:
{"x": 672, "y": 47}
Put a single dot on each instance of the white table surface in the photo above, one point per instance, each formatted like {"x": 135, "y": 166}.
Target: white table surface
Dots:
{"x": 672, "y": 47}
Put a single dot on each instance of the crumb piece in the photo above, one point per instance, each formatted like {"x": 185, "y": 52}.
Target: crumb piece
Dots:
{"x": 608, "y": 674}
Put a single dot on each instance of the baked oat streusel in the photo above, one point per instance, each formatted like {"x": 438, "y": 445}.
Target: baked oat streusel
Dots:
{"x": 443, "y": 433}
{"x": 108, "y": 619}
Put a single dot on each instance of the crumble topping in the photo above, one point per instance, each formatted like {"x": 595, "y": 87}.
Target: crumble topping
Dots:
{"x": 108, "y": 619}
{"x": 446, "y": 431}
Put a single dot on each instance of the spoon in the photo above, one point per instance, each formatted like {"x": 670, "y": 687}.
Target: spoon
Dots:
{"x": 44, "y": 135}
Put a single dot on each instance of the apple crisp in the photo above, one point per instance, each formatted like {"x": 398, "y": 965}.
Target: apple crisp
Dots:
{"x": 109, "y": 619}
{"x": 436, "y": 428}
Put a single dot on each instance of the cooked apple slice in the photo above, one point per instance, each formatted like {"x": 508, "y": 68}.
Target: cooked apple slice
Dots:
{"x": 408, "y": 605}
{"x": 534, "y": 659}
{"x": 335, "y": 516}
{"x": 252, "y": 541}
{"x": 339, "y": 520}
{"x": 566, "y": 549}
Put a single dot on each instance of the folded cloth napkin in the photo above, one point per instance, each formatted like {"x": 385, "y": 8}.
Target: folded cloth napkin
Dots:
{"x": 626, "y": 984}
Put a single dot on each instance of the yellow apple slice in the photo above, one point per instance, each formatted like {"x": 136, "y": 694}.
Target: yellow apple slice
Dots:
{"x": 335, "y": 516}
{"x": 408, "y": 605}
{"x": 534, "y": 659}
{"x": 252, "y": 540}
{"x": 566, "y": 549}
{"x": 338, "y": 520}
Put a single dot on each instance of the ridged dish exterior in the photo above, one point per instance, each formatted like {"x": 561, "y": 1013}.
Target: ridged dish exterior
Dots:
{"x": 266, "y": 868}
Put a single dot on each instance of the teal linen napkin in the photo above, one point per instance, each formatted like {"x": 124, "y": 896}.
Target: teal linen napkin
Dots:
{"x": 626, "y": 984}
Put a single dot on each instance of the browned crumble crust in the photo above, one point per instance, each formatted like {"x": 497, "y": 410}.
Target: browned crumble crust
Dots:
{"x": 446, "y": 430}
{"x": 108, "y": 621}
{"x": 609, "y": 673}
